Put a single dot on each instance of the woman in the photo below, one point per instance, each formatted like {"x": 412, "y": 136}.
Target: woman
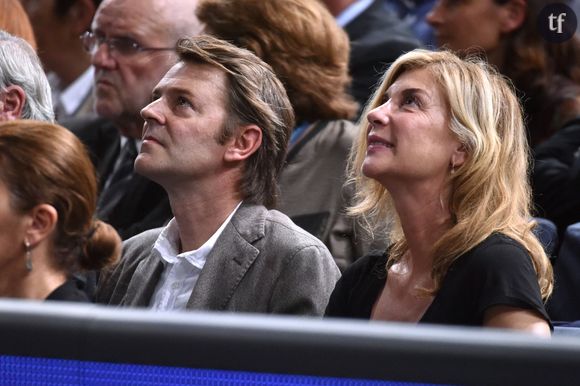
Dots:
{"x": 545, "y": 74}
{"x": 48, "y": 195}
{"x": 444, "y": 155}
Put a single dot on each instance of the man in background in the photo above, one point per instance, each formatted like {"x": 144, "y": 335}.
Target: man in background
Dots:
{"x": 377, "y": 38}
{"x": 24, "y": 89}
{"x": 58, "y": 24}
{"x": 131, "y": 44}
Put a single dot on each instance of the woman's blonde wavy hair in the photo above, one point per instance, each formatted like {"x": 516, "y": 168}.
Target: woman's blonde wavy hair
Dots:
{"x": 490, "y": 191}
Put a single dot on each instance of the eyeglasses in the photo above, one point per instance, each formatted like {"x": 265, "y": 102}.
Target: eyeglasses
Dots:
{"x": 122, "y": 46}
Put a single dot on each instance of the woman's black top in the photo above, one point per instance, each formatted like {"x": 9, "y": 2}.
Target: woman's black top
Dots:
{"x": 498, "y": 271}
{"x": 69, "y": 291}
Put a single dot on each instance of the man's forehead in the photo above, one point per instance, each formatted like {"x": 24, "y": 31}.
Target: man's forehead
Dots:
{"x": 197, "y": 78}
{"x": 198, "y": 72}
{"x": 138, "y": 17}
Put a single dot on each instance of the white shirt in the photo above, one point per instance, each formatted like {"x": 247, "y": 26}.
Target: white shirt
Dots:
{"x": 181, "y": 270}
{"x": 352, "y": 11}
{"x": 71, "y": 98}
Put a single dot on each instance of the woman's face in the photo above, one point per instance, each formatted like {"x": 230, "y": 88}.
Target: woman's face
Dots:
{"x": 463, "y": 24}
{"x": 409, "y": 137}
{"x": 12, "y": 232}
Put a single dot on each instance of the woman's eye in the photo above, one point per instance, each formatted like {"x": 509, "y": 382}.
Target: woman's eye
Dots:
{"x": 410, "y": 101}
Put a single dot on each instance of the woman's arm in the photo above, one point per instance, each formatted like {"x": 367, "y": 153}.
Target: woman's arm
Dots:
{"x": 516, "y": 318}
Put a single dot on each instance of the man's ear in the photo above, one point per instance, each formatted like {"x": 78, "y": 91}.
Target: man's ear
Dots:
{"x": 12, "y": 100}
{"x": 42, "y": 223}
{"x": 244, "y": 144}
{"x": 512, "y": 15}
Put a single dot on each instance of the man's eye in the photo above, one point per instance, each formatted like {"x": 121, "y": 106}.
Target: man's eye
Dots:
{"x": 125, "y": 45}
{"x": 183, "y": 102}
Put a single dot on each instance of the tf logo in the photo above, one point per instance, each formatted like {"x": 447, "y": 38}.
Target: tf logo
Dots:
{"x": 557, "y": 23}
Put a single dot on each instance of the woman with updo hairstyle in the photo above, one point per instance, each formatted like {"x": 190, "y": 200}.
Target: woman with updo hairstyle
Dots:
{"x": 441, "y": 166}
{"x": 48, "y": 193}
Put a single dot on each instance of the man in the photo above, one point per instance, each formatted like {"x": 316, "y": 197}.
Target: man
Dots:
{"x": 306, "y": 48}
{"x": 57, "y": 27}
{"x": 377, "y": 38}
{"x": 24, "y": 89}
{"x": 131, "y": 45}
{"x": 215, "y": 137}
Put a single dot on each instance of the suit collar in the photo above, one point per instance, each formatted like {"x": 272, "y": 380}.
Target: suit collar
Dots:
{"x": 230, "y": 259}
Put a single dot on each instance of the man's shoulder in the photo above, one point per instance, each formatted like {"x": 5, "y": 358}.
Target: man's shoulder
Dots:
{"x": 284, "y": 232}
{"x": 141, "y": 242}
{"x": 256, "y": 222}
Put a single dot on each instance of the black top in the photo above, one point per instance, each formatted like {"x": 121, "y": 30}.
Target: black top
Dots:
{"x": 498, "y": 271}
{"x": 69, "y": 291}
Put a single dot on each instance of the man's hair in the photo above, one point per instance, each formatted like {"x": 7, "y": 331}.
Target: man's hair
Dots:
{"x": 20, "y": 66}
{"x": 254, "y": 96}
{"x": 490, "y": 192}
{"x": 302, "y": 42}
{"x": 61, "y": 7}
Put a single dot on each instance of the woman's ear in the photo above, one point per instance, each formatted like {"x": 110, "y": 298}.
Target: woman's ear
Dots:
{"x": 459, "y": 156}
{"x": 512, "y": 15}
{"x": 244, "y": 144}
{"x": 42, "y": 223}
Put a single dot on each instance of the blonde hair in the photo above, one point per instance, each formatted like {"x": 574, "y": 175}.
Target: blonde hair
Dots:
{"x": 490, "y": 192}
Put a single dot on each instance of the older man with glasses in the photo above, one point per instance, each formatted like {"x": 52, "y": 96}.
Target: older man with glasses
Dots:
{"x": 131, "y": 44}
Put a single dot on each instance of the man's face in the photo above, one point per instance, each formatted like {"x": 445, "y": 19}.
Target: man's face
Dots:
{"x": 123, "y": 83}
{"x": 48, "y": 31}
{"x": 183, "y": 124}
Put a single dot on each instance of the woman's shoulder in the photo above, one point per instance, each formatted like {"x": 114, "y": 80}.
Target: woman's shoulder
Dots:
{"x": 497, "y": 252}
{"x": 373, "y": 263}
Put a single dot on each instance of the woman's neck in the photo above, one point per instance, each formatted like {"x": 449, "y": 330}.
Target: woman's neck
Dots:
{"x": 17, "y": 282}
{"x": 424, "y": 218}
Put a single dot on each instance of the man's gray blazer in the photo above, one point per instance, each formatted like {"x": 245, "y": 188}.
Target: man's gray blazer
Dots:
{"x": 262, "y": 262}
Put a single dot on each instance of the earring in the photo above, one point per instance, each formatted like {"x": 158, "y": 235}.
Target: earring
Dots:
{"x": 452, "y": 168}
{"x": 28, "y": 256}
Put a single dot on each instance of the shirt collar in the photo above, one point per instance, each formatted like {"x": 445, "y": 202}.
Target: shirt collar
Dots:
{"x": 167, "y": 244}
{"x": 352, "y": 11}
{"x": 72, "y": 97}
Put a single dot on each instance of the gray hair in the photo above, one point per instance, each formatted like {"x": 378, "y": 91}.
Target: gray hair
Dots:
{"x": 20, "y": 66}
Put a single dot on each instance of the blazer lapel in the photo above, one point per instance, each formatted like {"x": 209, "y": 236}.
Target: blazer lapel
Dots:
{"x": 229, "y": 260}
{"x": 144, "y": 281}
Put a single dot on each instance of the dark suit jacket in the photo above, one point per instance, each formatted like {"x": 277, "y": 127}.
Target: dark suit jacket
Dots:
{"x": 377, "y": 39}
{"x": 145, "y": 204}
{"x": 262, "y": 262}
{"x": 556, "y": 177}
